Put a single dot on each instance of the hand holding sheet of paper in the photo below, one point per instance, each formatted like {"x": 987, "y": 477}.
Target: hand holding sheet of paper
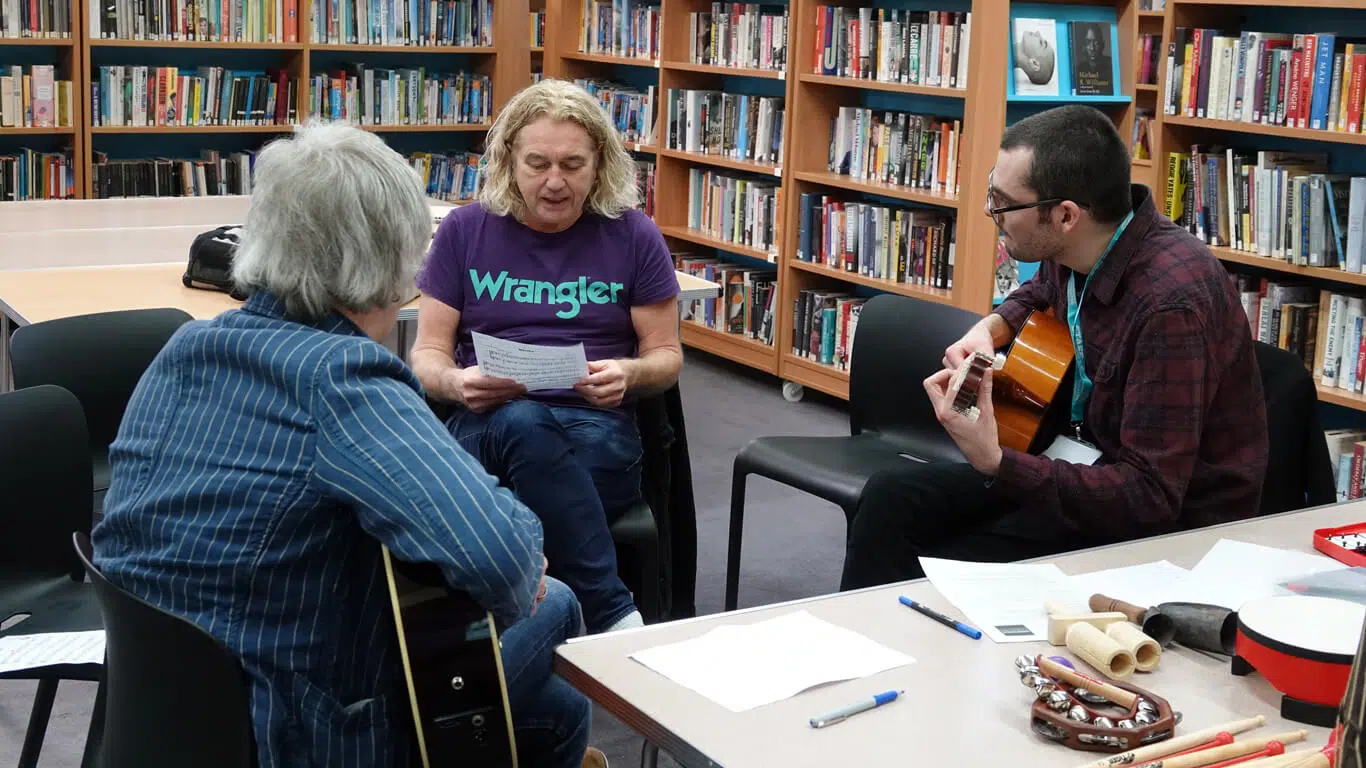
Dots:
{"x": 532, "y": 365}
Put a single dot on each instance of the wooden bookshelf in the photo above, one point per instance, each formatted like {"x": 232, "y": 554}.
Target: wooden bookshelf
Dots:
{"x": 486, "y": 50}
{"x": 732, "y": 346}
{"x": 712, "y": 69}
{"x": 897, "y": 191}
{"x": 600, "y": 58}
{"x": 195, "y": 45}
{"x": 68, "y": 56}
{"x": 702, "y": 238}
{"x": 48, "y": 42}
{"x": 169, "y": 129}
{"x": 878, "y": 85}
{"x": 818, "y": 376}
{"x": 1341, "y": 397}
{"x": 35, "y": 131}
{"x": 721, "y": 161}
{"x": 937, "y": 295}
{"x": 1272, "y": 264}
{"x": 1230, "y": 126}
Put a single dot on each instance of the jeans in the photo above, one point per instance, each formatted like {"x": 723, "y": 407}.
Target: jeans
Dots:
{"x": 578, "y": 469}
{"x": 551, "y": 720}
{"x": 947, "y": 511}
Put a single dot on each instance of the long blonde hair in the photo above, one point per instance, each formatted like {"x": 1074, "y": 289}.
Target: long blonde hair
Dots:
{"x": 614, "y": 189}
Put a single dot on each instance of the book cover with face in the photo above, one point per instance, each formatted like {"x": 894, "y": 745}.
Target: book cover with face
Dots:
{"x": 1092, "y": 62}
{"x": 1036, "y": 57}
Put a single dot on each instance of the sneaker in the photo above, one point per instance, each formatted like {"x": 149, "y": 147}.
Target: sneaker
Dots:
{"x": 594, "y": 758}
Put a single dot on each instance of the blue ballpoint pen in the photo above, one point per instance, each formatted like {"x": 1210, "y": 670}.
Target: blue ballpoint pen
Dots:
{"x": 972, "y": 632}
{"x": 844, "y": 713}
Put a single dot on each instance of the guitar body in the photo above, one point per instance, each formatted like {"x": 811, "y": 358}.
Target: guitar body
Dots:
{"x": 453, "y": 670}
{"x": 1025, "y": 383}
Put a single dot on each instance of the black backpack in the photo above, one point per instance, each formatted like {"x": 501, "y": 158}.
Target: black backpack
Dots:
{"x": 210, "y": 266}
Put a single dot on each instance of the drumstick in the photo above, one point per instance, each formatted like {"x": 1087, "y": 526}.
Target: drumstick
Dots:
{"x": 1220, "y": 754}
{"x": 1162, "y": 748}
{"x": 1305, "y": 758}
{"x": 1112, "y": 693}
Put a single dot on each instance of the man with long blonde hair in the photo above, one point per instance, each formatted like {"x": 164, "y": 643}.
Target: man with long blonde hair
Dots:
{"x": 554, "y": 253}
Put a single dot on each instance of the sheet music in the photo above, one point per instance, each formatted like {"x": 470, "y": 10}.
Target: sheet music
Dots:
{"x": 48, "y": 648}
{"x": 532, "y": 365}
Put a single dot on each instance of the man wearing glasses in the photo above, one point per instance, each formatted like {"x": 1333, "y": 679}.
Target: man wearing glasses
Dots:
{"x": 1169, "y": 419}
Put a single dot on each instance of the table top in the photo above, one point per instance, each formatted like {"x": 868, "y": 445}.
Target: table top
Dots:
{"x": 35, "y": 295}
{"x": 964, "y": 704}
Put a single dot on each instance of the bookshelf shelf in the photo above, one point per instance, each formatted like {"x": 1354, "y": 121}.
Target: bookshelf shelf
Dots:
{"x": 732, "y": 346}
{"x": 1145, "y": 88}
{"x": 1142, "y": 163}
{"x": 425, "y": 128}
{"x": 809, "y": 373}
{"x": 32, "y": 131}
{"x": 1151, "y": 14}
{"x": 712, "y": 69}
{"x": 648, "y": 149}
{"x": 102, "y": 129}
{"x": 1061, "y": 100}
{"x": 49, "y": 42}
{"x": 1336, "y": 137}
{"x": 767, "y": 169}
{"x": 196, "y": 44}
{"x": 878, "y": 85}
{"x": 704, "y": 239}
{"x": 537, "y": 49}
{"x": 600, "y": 58}
{"x": 877, "y": 188}
{"x": 937, "y": 295}
{"x": 1341, "y": 397}
{"x": 1279, "y": 265}
{"x": 486, "y": 50}
{"x": 1355, "y": 4}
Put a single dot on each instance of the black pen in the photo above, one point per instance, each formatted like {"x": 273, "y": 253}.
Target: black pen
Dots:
{"x": 972, "y": 632}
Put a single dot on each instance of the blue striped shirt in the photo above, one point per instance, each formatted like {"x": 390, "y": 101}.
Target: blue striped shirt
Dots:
{"x": 260, "y": 464}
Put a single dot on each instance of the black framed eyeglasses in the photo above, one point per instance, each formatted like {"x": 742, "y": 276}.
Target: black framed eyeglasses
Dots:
{"x": 995, "y": 211}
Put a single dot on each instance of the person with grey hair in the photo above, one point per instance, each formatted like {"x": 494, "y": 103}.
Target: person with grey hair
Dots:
{"x": 555, "y": 254}
{"x": 267, "y": 454}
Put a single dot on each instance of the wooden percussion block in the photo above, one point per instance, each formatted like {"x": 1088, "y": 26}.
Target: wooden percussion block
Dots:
{"x": 1059, "y": 623}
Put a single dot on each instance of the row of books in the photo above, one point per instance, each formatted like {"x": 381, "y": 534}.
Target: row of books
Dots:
{"x": 538, "y": 29}
{"x": 734, "y": 125}
{"x": 745, "y": 305}
{"x": 631, "y": 110}
{"x": 400, "y": 22}
{"x": 1141, "y": 141}
{"x": 211, "y": 175}
{"x": 905, "y": 245}
{"x": 1346, "y": 455}
{"x": 645, "y": 186}
{"x": 35, "y": 18}
{"x": 30, "y": 175}
{"x": 1299, "y": 81}
{"x": 739, "y": 35}
{"x": 35, "y": 99}
{"x": 1149, "y": 53}
{"x": 823, "y": 326}
{"x": 370, "y": 96}
{"x": 1284, "y": 205}
{"x": 454, "y": 177}
{"x": 620, "y": 28}
{"x": 734, "y": 208}
{"x": 255, "y": 21}
{"x": 143, "y": 96}
{"x": 917, "y": 151}
{"x": 893, "y": 46}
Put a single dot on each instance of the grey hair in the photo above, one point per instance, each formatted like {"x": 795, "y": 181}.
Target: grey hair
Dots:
{"x": 338, "y": 220}
{"x": 614, "y": 188}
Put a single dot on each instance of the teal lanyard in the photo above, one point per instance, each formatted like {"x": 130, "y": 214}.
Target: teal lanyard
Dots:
{"x": 1081, "y": 382}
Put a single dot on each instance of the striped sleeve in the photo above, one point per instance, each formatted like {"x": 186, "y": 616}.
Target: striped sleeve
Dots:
{"x": 384, "y": 453}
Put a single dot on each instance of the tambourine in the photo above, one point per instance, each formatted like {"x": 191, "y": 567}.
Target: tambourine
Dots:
{"x": 1086, "y": 714}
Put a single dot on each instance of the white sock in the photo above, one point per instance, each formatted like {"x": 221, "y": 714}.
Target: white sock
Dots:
{"x": 629, "y": 621}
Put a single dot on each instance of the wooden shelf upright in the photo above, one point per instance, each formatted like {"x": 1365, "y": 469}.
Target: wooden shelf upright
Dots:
{"x": 68, "y": 58}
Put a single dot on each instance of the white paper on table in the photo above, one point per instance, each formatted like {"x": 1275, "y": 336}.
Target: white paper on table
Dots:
{"x": 1143, "y": 585}
{"x": 745, "y": 666}
{"x": 533, "y": 365}
{"x": 1005, "y": 601}
{"x": 1234, "y": 572}
{"x": 48, "y": 648}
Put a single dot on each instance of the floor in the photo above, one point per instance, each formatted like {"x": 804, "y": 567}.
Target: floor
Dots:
{"x": 793, "y": 542}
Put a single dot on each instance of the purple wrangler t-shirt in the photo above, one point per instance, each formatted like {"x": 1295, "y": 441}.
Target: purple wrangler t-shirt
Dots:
{"x": 576, "y": 286}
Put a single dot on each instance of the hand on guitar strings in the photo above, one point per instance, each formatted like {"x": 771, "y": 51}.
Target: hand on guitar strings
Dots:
{"x": 976, "y": 439}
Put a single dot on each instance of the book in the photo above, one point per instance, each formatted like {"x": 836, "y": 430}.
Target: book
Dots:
{"x": 1035, "y": 49}
{"x": 1092, "y": 59}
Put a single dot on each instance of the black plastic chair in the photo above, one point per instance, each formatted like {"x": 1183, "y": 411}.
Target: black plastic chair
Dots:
{"x": 1298, "y": 472}
{"x": 98, "y": 358}
{"x": 174, "y": 694}
{"x": 45, "y": 477}
{"x": 900, "y": 342}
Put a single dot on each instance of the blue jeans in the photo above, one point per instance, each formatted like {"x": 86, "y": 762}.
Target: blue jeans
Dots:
{"x": 551, "y": 719}
{"x": 578, "y": 469}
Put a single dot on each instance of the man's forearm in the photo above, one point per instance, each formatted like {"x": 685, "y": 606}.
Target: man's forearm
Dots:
{"x": 431, "y": 368}
{"x": 653, "y": 372}
{"x": 1000, "y": 331}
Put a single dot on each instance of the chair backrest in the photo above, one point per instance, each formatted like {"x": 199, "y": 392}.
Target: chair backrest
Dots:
{"x": 45, "y": 479}
{"x": 174, "y": 694}
{"x": 1298, "y": 474}
{"x": 899, "y": 343}
{"x": 98, "y": 358}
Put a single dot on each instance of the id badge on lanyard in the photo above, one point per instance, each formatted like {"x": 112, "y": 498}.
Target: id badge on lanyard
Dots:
{"x": 1076, "y": 450}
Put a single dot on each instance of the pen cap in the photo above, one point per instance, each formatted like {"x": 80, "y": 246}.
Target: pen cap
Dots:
{"x": 884, "y": 698}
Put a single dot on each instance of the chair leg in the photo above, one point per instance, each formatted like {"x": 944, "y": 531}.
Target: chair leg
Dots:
{"x": 94, "y": 737}
{"x": 649, "y": 755}
{"x": 737, "y": 525}
{"x": 37, "y": 722}
{"x": 650, "y": 586}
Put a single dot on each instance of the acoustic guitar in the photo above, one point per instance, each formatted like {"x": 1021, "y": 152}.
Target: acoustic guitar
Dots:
{"x": 1025, "y": 382}
{"x": 453, "y": 670}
